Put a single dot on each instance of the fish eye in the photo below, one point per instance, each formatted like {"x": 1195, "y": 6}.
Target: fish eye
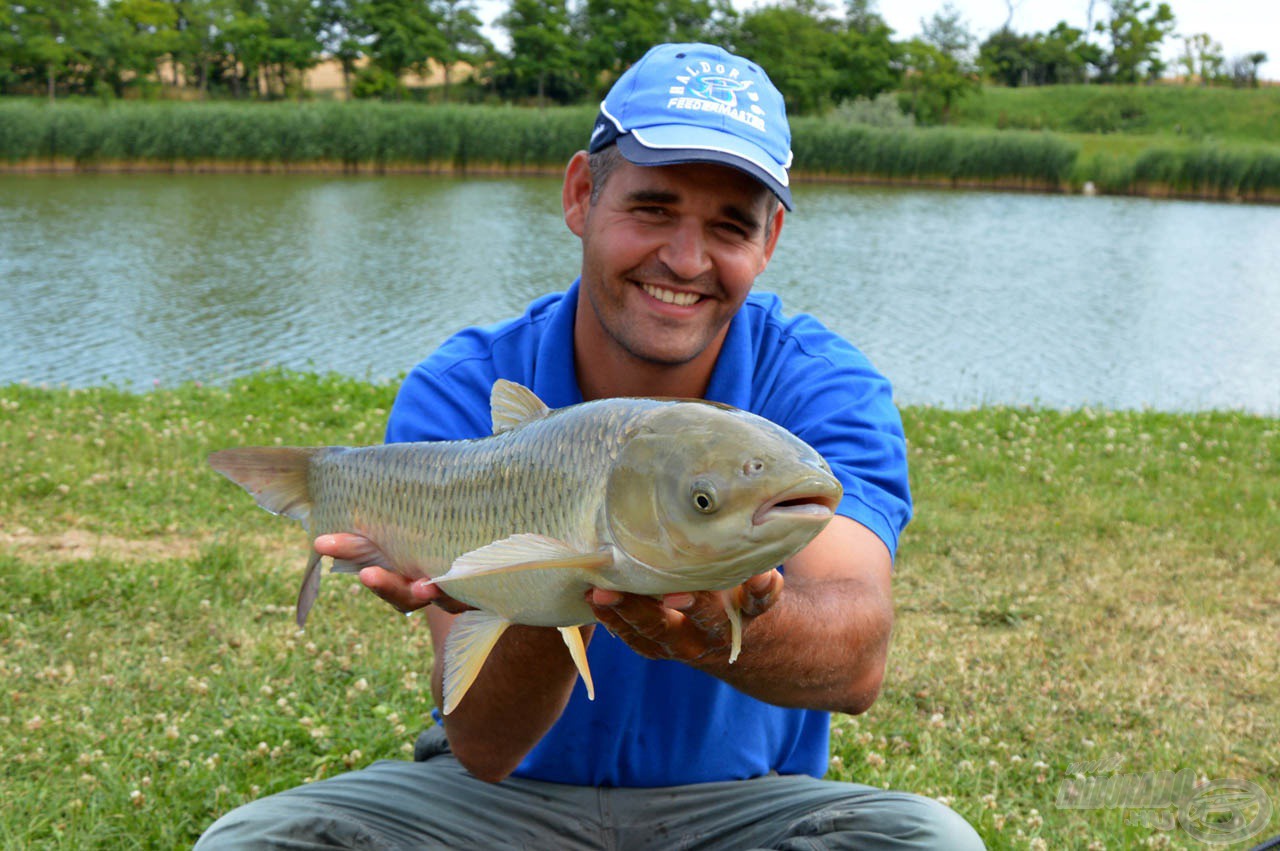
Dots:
{"x": 704, "y": 497}
{"x": 754, "y": 467}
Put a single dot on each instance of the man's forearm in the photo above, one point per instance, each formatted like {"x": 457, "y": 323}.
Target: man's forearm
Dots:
{"x": 823, "y": 645}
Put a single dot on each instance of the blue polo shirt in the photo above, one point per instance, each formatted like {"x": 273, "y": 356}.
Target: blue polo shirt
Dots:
{"x": 662, "y": 723}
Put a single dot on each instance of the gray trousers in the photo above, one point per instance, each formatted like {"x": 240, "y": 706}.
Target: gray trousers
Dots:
{"x": 433, "y": 803}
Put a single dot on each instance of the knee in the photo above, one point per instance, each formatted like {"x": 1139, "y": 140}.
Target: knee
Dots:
{"x": 892, "y": 821}
{"x": 282, "y": 821}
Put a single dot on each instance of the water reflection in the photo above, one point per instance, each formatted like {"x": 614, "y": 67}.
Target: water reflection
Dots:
{"x": 962, "y": 298}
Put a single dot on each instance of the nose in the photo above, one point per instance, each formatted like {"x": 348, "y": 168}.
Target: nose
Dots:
{"x": 685, "y": 251}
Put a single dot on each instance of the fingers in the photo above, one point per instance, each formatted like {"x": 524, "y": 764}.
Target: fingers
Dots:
{"x": 404, "y": 594}
{"x": 758, "y": 594}
{"x": 686, "y": 626}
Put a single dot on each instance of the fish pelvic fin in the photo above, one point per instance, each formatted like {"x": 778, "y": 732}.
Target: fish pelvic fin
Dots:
{"x": 310, "y": 588}
{"x": 734, "y": 614}
{"x": 522, "y": 552}
{"x": 471, "y": 639}
{"x": 513, "y": 405}
{"x": 572, "y": 636}
{"x": 275, "y": 476}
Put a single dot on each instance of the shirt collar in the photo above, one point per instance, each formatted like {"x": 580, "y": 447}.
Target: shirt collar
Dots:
{"x": 555, "y": 380}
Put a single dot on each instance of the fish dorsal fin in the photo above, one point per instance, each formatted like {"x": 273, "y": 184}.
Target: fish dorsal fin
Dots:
{"x": 471, "y": 638}
{"x": 522, "y": 552}
{"x": 513, "y": 405}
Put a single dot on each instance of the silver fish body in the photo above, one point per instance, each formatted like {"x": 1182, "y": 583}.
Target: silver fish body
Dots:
{"x": 635, "y": 495}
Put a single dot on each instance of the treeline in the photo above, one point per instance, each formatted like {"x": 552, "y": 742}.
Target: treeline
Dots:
{"x": 562, "y": 51}
{"x": 378, "y": 137}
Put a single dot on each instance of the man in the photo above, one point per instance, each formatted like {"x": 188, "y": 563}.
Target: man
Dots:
{"x": 678, "y": 204}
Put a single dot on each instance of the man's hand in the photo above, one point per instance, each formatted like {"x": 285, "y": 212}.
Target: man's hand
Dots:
{"x": 686, "y": 627}
{"x": 404, "y": 594}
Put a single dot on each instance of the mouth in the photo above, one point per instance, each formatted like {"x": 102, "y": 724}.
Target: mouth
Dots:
{"x": 677, "y": 298}
{"x": 813, "y": 499}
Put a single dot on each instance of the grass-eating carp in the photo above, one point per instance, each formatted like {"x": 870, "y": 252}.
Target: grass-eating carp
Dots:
{"x": 645, "y": 496}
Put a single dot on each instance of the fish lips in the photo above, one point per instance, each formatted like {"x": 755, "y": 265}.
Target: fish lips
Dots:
{"x": 814, "y": 499}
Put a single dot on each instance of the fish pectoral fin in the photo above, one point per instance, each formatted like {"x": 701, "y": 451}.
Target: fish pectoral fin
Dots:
{"x": 572, "y": 636}
{"x": 471, "y": 638}
{"x": 734, "y": 614}
{"x": 310, "y": 588}
{"x": 512, "y": 405}
{"x": 523, "y": 552}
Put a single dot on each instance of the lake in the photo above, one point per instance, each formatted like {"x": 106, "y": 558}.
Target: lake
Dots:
{"x": 961, "y": 298}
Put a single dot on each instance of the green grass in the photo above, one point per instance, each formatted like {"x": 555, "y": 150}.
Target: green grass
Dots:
{"x": 374, "y": 136}
{"x": 1191, "y": 112}
{"x": 1076, "y": 586}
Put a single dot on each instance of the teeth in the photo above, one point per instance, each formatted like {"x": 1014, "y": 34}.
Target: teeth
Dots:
{"x": 671, "y": 296}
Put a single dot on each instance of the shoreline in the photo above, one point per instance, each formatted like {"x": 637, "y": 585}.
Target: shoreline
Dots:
{"x": 68, "y": 166}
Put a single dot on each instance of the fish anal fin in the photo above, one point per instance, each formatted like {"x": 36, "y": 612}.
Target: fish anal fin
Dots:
{"x": 276, "y": 476}
{"x": 513, "y": 405}
{"x": 572, "y": 636}
{"x": 310, "y": 588}
{"x": 471, "y": 638}
{"x": 523, "y": 552}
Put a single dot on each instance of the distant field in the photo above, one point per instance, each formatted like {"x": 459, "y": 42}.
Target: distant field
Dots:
{"x": 1081, "y": 591}
{"x": 1193, "y": 113}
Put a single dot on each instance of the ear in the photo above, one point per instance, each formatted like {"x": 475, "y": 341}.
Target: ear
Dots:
{"x": 576, "y": 194}
{"x": 775, "y": 228}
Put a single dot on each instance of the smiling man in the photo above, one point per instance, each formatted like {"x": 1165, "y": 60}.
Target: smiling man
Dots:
{"x": 679, "y": 203}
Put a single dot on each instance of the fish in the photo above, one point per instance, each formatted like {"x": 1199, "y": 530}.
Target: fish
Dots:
{"x": 645, "y": 496}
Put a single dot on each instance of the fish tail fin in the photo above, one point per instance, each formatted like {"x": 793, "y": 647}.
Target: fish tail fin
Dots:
{"x": 471, "y": 638}
{"x": 275, "y": 476}
{"x": 572, "y": 636}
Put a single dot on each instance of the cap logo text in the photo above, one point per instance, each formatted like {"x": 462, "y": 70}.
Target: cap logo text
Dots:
{"x": 715, "y": 88}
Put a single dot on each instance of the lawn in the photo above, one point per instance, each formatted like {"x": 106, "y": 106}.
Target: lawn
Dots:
{"x": 1082, "y": 593}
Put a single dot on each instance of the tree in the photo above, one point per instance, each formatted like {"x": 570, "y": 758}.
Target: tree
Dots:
{"x": 800, "y": 44}
{"x": 867, "y": 60}
{"x": 1006, "y": 57}
{"x": 1135, "y": 40}
{"x": 135, "y": 34}
{"x": 934, "y": 82}
{"x": 1201, "y": 57}
{"x": 616, "y": 33}
{"x": 948, "y": 32}
{"x": 53, "y": 39}
{"x": 401, "y": 36}
{"x": 462, "y": 40}
{"x": 545, "y": 53}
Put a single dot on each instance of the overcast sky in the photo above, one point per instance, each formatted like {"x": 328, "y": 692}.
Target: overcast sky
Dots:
{"x": 1241, "y": 26}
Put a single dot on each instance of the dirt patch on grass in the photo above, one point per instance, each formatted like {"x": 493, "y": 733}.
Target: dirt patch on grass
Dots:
{"x": 81, "y": 545}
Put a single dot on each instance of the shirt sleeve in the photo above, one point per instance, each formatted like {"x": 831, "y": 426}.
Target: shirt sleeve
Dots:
{"x": 829, "y": 395}
{"x": 446, "y": 397}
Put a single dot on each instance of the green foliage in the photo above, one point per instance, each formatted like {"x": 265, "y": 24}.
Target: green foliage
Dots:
{"x": 831, "y": 148}
{"x": 547, "y": 57}
{"x": 935, "y": 82}
{"x": 1135, "y": 40}
{"x": 1175, "y": 111}
{"x": 1062, "y": 55}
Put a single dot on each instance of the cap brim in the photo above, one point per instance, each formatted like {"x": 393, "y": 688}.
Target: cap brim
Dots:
{"x": 672, "y": 145}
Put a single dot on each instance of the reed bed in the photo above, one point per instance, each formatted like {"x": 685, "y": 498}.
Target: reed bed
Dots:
{"x": 382, "y": 136}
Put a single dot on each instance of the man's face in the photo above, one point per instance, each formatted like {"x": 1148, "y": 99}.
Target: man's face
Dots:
{"x": 669, "y": 255}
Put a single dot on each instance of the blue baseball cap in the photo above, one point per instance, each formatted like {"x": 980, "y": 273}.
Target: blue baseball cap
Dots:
{"x": 684, "y": 103}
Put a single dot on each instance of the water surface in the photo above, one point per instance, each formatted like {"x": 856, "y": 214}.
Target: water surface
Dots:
{"x": 962, "y": 298}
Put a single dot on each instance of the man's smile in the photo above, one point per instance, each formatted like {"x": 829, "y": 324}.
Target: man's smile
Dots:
{"x": 680, "y": 299}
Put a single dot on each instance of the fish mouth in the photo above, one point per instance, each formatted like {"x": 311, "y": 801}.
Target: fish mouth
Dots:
{"x": 812, "y": 499}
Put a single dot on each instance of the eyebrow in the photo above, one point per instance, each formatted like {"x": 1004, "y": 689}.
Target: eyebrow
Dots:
{"x": 729, "y": 211}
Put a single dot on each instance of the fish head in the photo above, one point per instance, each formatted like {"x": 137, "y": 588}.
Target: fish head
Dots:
{"x": 709, "y": 496}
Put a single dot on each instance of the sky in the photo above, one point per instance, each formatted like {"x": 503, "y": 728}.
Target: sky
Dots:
{"x": 1241, "y": 26}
